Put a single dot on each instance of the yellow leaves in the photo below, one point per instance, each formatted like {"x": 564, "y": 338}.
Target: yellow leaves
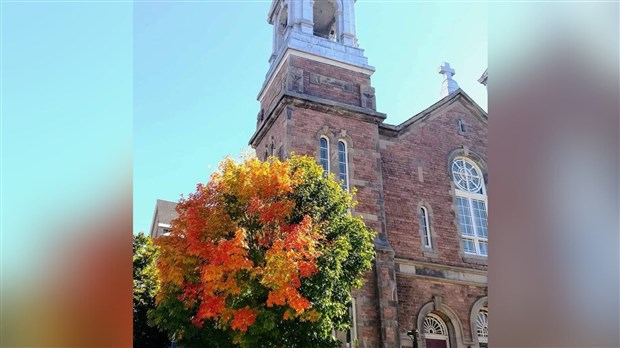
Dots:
{"x": 311, "y": 316}
{"x": 207, "y": 254}
{"x": 253, "y": 178}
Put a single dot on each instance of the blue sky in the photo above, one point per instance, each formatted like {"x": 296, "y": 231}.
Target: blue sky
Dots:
{"x": 198, "y": 69}
{"x": 89, "y": 87}
{"x": 199, "y": 66}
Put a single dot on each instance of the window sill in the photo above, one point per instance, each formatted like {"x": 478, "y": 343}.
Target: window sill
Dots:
{"x": 476, "y": 259}
{"x": 430, "y": 253}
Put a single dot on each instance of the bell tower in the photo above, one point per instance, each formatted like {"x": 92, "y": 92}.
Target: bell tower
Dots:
{"x": 317, "y": 100}
{"x": 315, "y": 54}
{"x": 333, "y": 20}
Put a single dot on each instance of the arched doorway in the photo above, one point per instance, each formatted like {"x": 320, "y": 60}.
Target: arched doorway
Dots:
{"x": 435, "y": 332}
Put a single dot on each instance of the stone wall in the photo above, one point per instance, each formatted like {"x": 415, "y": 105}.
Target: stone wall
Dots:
{"x": 395, "y": 170}
{"x": 416, "y": 171}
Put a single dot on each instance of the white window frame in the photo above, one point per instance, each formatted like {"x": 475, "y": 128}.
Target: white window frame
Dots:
{"x": 353, "y": 321}
{"x": 346, "y": 162}
{"x": 321, "y": 158}
{"x": 469, "y": 197}
{"x": 482, "y": 338}
{"x": 426, "y": 228}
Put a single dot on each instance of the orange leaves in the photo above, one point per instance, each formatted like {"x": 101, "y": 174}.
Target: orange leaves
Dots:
{"x": 270, "y": 212}
{"x": 226, "y": 259}
{"x": 234, "y": 235}
{"x": 242, "y": 319}
{"x": 211, "y": 307}
{"x": 306, "y": 269}
{"x": 289, "y": 260}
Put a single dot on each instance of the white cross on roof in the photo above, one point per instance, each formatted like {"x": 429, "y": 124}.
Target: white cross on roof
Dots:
{"x": 448, "y": 85}
{"x": 445, "y": 69}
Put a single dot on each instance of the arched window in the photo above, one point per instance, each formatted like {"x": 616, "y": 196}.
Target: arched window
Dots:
{"x": 435, "y": 332}
{"x": 324, "y": 18}
{"x": 324, "y": 155}
{"x": 343, "y": 164}
{"x": 351, "y": 335}
{"x": 471, "y": 202}
{"x": 272, "y": 148}
{"x": 282, "y": 24}
{"x": 482, "y": 327}
{"x": 425, "y": 227}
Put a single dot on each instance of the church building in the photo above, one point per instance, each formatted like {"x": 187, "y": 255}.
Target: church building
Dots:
{"x": 420, "y": 184}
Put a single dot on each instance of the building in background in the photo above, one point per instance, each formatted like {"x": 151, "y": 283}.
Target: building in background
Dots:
{"x": 165, "y": 212}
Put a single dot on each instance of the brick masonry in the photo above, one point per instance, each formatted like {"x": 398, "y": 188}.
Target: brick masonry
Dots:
{"x": 395, "y": 169}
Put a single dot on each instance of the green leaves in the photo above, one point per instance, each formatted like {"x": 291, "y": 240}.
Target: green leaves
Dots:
{"x": 144, "y": 292}
{"x": 265, "y": 254}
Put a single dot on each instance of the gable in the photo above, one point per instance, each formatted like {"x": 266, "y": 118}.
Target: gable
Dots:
{"x": 458, "y": 102}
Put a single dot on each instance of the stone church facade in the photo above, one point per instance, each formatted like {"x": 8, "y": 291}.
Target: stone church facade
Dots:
{"x": 421, "y": 184}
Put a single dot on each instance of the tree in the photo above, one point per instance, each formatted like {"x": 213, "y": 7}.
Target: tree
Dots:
{"x": 144, "y": 292}
{"x": 265, "y": 254}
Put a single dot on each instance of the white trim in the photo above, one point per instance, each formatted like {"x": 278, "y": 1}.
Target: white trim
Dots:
{"x": 442, "y": 336}
{"x": 482, "y": 324}
{"x": 291, "y": 51}
{"x": 346, "y": 162}
{"x": 432, "y": 318}
{"x": 354, "y": 323}
{"x": 469, "y": 197}
{"x": 468, "y": 176}
{"x": 329, "y": 61}
{"x": 163, "y": 225}
{"x": 426, "y": 229}
{"x": 323, "y": 137}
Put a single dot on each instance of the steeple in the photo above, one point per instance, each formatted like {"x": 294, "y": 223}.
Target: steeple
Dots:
{"x": 315, "y": 55}
{"x": 449, "y": 85}
{"x": 324, "y": 28}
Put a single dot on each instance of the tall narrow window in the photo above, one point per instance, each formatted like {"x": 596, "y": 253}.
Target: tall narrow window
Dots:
{"x": 461, "y": 126}
{"x": 324, "y": 155}
{"x": 349, "y": 337}
{"x": 471, "y": 202}
{"x": 425, "y": 226}
{"x": 343, "y": 165}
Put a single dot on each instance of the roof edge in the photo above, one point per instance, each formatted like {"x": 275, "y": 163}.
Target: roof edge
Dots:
{"x": 449, "y": 99}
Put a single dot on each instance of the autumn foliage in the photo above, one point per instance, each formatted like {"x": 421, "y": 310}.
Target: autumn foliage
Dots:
{"x": 262, "y": 247}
